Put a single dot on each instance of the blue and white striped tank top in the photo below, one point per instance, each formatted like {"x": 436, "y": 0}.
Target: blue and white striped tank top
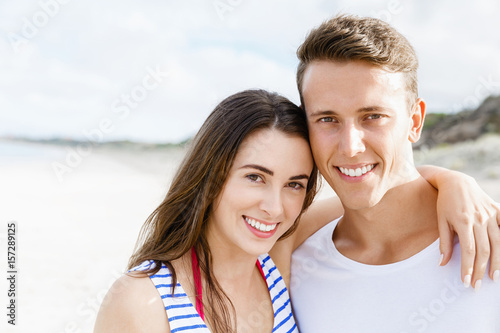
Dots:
{"x": 182, "y": 315}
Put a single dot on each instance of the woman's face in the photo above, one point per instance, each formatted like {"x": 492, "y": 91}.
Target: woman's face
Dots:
{"x": 263, "y": 193}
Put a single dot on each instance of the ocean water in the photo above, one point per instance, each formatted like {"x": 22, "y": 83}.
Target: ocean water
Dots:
{"x": 14, "y": 150}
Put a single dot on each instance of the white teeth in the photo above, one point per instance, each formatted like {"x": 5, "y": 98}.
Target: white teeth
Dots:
{"x": 260, "y": 226}
{"x": 356, "y": 172}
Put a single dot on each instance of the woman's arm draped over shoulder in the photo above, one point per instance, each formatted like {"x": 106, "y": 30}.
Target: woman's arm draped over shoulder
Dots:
{"x": 132, "y": 305}
{"x": 463, "y": 207}
{"x": 316, "y": 217}
{"x": 319, "y": 214}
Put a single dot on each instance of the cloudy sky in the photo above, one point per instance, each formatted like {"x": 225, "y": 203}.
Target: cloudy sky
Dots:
{"x": 153, "y": 70}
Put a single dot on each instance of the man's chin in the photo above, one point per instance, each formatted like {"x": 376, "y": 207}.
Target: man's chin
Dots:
{"x": 356, "y": 202}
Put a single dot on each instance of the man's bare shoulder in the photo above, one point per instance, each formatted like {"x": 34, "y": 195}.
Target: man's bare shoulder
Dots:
{"x": 132, "y": 305}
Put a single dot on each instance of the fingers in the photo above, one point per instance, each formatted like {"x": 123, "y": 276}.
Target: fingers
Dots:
{"x": 463, "y": 207}
{"x": 494, "y": 234}
{"x": 497, "y": 206}
{"x": 468, "y": 254}
{"x": 482, "y": 255}
{"x": 446, "y": 236}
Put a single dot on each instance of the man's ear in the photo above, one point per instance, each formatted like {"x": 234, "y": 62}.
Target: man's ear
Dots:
{"x": 417, "y": 117}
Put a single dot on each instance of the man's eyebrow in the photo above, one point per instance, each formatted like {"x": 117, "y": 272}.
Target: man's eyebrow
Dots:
{"x": 322, "y": 113}
{"x": 369, "y": 108}
{"x": 258, "y": 167}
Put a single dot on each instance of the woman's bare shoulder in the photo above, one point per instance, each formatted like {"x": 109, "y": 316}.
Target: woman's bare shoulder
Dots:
{"x": 132, "y": 305}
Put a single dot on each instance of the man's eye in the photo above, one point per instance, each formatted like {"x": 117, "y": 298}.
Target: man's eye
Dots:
{"x": 374, "y": 116}
{"x": 326, "y": 119}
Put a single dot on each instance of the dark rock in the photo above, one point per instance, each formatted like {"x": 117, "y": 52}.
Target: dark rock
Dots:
{"x": 462, "y": 126}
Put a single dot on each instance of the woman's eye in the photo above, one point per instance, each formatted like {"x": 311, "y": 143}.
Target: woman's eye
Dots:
{"x": 295, "y": 185}
{"x": 254, "y": 178}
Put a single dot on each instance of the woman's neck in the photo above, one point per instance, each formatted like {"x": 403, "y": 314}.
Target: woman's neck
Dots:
{"x": 232, "y": 268}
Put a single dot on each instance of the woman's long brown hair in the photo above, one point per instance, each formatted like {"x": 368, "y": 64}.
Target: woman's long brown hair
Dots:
{"x": 180, "y": 222}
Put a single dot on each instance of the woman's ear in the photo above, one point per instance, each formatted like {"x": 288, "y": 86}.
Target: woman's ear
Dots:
{"x": 417, "y": 117}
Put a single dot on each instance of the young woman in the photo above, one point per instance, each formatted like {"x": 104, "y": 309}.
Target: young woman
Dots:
{"x": 201, "y": 263}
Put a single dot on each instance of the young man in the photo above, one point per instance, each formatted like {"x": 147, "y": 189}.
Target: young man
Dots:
{"x": 375, "y": 266}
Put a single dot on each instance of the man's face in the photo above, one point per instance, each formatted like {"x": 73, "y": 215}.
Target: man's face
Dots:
{"x": 360, "y": 129}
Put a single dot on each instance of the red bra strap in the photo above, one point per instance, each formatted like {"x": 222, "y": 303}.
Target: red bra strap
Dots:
{"x": 260, "y": 270}
{"x": 197, "y": 283}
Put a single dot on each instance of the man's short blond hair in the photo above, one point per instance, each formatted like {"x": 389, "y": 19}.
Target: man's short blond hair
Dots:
{"x": 350, "y": 38}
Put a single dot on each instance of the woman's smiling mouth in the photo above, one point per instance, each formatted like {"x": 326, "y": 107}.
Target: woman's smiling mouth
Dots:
{"x": 260, "y": 226}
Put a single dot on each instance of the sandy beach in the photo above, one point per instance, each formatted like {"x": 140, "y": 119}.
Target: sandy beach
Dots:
{"x": 76, "y": 229}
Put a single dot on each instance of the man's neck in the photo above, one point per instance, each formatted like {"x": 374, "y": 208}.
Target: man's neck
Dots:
{"x": 402, "y": 224}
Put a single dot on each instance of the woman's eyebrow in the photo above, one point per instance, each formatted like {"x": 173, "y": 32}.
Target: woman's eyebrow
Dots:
{"x": 258, "y": 167}
{"x": 271, "y": 173}
{"x": 303, "y": 176}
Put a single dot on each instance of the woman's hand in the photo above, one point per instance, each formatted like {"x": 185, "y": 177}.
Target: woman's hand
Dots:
{"x": 465, "y": 209}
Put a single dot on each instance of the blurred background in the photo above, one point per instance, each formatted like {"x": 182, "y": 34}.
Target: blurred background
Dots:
{"x": 98, "y": 98}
